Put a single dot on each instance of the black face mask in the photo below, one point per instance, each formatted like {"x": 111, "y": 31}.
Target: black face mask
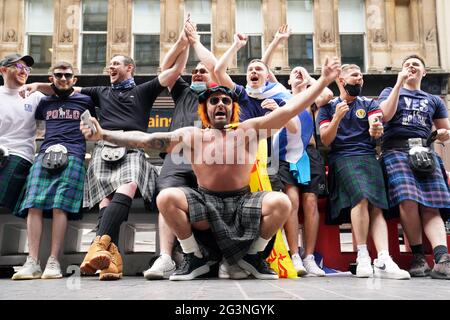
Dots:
{"x": 353, "y": 90}
{"x": 64, "y": 94}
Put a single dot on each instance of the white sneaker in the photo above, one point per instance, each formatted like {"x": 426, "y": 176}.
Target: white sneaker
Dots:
{"x": 364, "y": 268}
{"x": 388, "y": 269}
{"x": 298, "y": 264}
{"x": 52, "y": 269}
{"x": 30, "y": 270}
{"x": 162, "y": 268}
{"x": 311, "y": 267}
{"x": 227, "y": 271}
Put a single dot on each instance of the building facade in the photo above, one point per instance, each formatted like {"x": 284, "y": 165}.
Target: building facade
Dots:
{"x": 375, "y": 34}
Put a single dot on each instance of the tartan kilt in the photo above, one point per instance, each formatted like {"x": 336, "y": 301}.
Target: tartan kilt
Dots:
{"x": 103, "y": 178}
{"x": 351, "y": 180}
{"x": 12, "y": 180}
{"x": 432, "y": 191}
{"x": 233, "y": 216}
{"x": 63, "y": 190}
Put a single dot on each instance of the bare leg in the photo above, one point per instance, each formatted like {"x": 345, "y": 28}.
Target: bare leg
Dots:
{"x": 291, "y": 225}
{"x": 276, "y": 208}
{"x": 59, "y": 226}
{"x": 311, "y": 218}
{"x": 378, "y": 229}
{"x": 360, "y": 222}
{"x": 411, "y": 223}
{"x": 166, "y": 236}
{"x": 433, "y": 226}
{"x": 34, "y": 231}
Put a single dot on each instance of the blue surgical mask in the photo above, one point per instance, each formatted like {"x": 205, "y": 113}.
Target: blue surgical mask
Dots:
{"x": 198, "y": 86}
{"x": 254, "y": 92}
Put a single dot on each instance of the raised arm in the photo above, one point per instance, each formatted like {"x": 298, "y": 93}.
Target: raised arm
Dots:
{"x": 279, "y": 117}
{"x": 389, "y": 106}
{"x": 168, "y": 77}
{"x": 220, "y": 70}
{"x": 283, "y": 33}
{"x": 180, "y": 46}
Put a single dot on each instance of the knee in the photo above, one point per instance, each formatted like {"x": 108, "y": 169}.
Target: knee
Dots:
{"x": 131, "y": 187}
{"x": 278, "y": 203}
{"x": 167, "y": 199}
{"x": 309, "y": 202}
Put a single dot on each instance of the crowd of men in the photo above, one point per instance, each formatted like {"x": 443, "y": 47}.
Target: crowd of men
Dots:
{"x": 202, "y": 191}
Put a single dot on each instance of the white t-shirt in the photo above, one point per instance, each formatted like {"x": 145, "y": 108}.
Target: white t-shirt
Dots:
{"x": 17, "y": 123}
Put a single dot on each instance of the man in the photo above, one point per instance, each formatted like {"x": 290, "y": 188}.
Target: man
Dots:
{"x": 242, "y": 222}
{"x": 410, "y": 113}
{"x": 301, "y": 169}
{"x": 112, "y": 183}
{"x": 356, "y": 179}
{"x": 54, "y": 188}
{"x": 17, "y": 128}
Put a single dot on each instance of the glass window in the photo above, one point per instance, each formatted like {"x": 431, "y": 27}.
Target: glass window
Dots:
{"x": 301, "y": 51}
{"x": 93, "y": 36}
{"x": 352, "y": 49}
{"x": 146, "y": 29}
{"x": 38, "y": 38}
{"x": 251, "y": 51}
{"x": 300, "y": 16}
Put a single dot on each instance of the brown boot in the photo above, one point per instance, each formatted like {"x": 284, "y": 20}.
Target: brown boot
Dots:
{"x": 114, "y": 271}
{"x": 97, "y": 257}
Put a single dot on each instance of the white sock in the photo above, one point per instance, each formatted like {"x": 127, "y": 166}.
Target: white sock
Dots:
{"x": 258, "y": 245}
{"x": 296, "y": 255}
{"x": 165, "y": 256}
{"x": 362, "y": 250}
{"x": 383, "y": 255}
{"x": 309, "y": 257}
{"x": 190, "y": 245}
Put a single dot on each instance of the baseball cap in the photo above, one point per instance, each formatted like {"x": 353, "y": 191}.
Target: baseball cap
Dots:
{"x": 10, "y": 59}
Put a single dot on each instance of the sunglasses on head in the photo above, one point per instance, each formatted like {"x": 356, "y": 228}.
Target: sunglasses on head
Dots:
{"x": 215, "y": 100}
{"x": 59, "y": 75}
{"x": 20, "y": 67}
{"x": 201, "y": 71}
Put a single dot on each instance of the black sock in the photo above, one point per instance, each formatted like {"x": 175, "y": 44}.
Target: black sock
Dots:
{"x": 439, "y": 251}
{"x": 417, "y": 249}
{"x": 100, "y": 215}
{"x": 116, "y": 213}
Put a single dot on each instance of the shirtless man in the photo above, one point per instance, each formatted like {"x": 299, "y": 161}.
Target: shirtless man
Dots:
{"x": 222, "y": 160}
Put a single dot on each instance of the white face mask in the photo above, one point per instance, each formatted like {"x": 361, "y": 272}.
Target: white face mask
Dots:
{"x": 198, "y": 86}
{"x": 252, "y": 92}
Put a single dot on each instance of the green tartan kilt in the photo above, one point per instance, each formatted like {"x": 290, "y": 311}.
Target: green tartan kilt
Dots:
{"x": 63, "y": 190}
{"x": 351, "y": 180}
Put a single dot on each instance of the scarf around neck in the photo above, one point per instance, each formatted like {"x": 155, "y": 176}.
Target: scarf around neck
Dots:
{"x": 125, "y": 84}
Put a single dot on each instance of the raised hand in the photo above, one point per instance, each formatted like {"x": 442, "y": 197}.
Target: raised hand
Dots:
{"x": 87, "y": 132}
{"x": 27, "y": 89}
{"x": 190, "y": 29}
{"x": 283, "y": 32}
{"x": 341, "y": 109}
{"x": 403, "y": 75}
{"x": 240, "y": 40}
{"x": 331, "y": 69}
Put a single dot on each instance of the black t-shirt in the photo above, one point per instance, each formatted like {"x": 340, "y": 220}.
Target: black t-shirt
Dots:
{"x": 186, "y": 105}
{"x": 127, "y": 109}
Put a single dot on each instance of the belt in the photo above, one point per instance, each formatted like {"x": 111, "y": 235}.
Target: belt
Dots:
{"x": 400, "y": 144}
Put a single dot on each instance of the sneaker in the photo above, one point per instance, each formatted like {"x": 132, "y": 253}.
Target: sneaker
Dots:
{"x": 311, "y": 267}
{"x": 388, "y": 269}
{"x": 419, "y": 266}
{"x": 364, "y": 267}
{"x": 227, "y": 271}
{"x": 190, "y": 268}
{"x": 162, "y": 268}
{"x": 52, "y": 269}
{"x": 30, "y": 270}
{"x": 441, "y": 269}
{"x": 298, "y": 264}
{"x": 257, "y": 266}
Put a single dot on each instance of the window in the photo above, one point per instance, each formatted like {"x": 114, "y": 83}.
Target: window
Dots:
{"x": 200, "y": 11}
{"x": 93, "y": 34}
{"x": 300, "y": 20}
{"x": 352, "y": 32}
{"x": 249, "y": 22}
{"x": 146, "y": 29}
{"x": 38, "y": 39}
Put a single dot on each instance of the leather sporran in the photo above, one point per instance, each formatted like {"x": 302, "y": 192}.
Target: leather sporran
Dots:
{"x": 55, "y": 158}
{"x": 112, "y": 153}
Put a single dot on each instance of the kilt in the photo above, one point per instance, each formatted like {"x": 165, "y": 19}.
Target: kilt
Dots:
{"x": 234, "y": 217}
{"x": 12, "y": 181}
{"x": 432, "y": 191}
{"x": 103, "y": 178}
{"x": 63, "y": 190}
{"x": 351, "y": 180}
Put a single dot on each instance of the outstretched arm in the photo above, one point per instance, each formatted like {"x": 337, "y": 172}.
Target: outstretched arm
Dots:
{"x": 283, "y": 33}
{"x": 220, "y": 70}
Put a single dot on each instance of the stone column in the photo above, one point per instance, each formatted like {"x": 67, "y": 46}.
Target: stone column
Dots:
{"x": 442, "y": 9}
{"x": 428, "y": 34}
{"x": 172, "y": 15}
{"x": 119, "y": 28}
{"x": 66, "y": 32}
{"x": 326, "y": 35}
{"x": 11, "y": 26}
{"x": 223, "y": 27}
{"x": 274, "y": 15}
{"x": 379, "y": 55}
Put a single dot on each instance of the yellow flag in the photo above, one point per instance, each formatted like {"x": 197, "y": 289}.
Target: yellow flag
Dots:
{"x": 279, "y": 258}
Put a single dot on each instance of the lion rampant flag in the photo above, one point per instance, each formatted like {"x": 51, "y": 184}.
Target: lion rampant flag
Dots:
{"x": 279, "y": 258}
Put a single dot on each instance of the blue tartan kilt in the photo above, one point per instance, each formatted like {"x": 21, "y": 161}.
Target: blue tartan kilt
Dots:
{"x": 12, "y": 181}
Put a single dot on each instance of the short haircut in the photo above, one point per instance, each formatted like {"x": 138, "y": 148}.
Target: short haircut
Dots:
{"x": 414, "y": 56}
{"x": 347, "y": 66}
{"x": 61, "y": 65}
{"x": 259, "y": 60}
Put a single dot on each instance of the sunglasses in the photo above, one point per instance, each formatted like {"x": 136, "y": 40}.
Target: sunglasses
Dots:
{"x": 20, "y": 67}
{"x": 201, "y": 71}
{"x": 215, "y": 100}
{"x": 59, "y": 75}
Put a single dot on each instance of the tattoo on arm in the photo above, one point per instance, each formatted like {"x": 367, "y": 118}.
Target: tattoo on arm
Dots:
{"x": 160, "y": 144}
{"x": 137, "y": 139}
